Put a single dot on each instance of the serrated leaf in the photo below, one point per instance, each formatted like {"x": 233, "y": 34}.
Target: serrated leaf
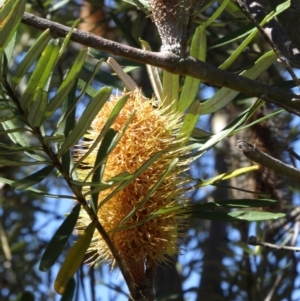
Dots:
{"x": 70, "y": 290}
{"x": 74, "y": 259}
{"x": 31, "y": 56}
{"x": 105, "y": 148}
{"x": 59, "y": 240}
{"x": 11, "y": 12}
{"x": 85, "y": 120}
{"x": 33, "y": 179}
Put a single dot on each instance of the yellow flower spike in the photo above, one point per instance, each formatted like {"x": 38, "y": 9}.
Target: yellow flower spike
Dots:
{"x": 141, "y": 241}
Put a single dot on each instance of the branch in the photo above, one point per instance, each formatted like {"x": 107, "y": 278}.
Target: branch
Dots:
{"x": 254, "y": 241}
{"x": 168, "y": 61}
{"x": 252, "y": 153}
{"x": 273, "y": 32}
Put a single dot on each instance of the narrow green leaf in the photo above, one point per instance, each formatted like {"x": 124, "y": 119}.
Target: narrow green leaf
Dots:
{"x": 27, "y": 296}
{"x": 102, "y": 76}
{"x": 6, "y": 162}
{"x": 68, "y": 124}
{"x": 88, "y": 85}
{"x": 70, "y": 290}
{"x": 67, "y": 83}
{"x": 17, "y": 130}
{"x": 31, "y": 56}
{"x": 37, "y": 108}
{"x": 191, "y": 84}
{"x": 191, "y": 118}
{"x": 33, "y": 179}
{"x": 40, "y": 192}
{"x": 229, "y": 175}
{"x": 217, "y": 13}
{"x": 59, "y": 240}
{"x": 9, "y": 50}
{"x": 230, "y": 128}
{"x": 110, "y": 120}
{"x": 85, "y": 120}
{"x": 226, "y": 95}
{"x": 170, "y": 90}
{"x": 232, "y": 37}
{"x": 105, "y": 148}
{"x": 68, "y": 37}
{"x": 222, "y": 204}
{"x": 11, "y": 13}
{"x": 237, "y": 216}
{"x": 126, "y": 33}
{"x": 67, "y": 120}
{"x": 74, "y": 259}
{"x": 153, "y": 73}
{"x": 41, "y": 74}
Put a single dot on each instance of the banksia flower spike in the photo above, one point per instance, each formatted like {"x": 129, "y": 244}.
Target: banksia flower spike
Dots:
{"x": 143, "y": 239}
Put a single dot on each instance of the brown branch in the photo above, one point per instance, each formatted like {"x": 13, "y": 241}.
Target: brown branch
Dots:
{"x": 275, "y": 35}
{"x": 254, "y": 241}
{"x": 252, "y": 153}
{"x": 174, "y": 64}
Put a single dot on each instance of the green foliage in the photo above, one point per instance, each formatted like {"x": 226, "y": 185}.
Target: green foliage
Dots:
{"x": 59, "y": 240}
{"x": 25, "y": 118}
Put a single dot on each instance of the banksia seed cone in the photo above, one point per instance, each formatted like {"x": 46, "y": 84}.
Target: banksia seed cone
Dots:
{"x": 168, "y": 16}
{"x": 141, "y": 244}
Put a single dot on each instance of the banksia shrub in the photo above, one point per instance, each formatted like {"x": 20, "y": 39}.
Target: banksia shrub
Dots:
{"x": 145, "y": 238}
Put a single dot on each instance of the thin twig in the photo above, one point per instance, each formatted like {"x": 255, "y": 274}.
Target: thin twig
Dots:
{"x": 273, "y": 33}
{"x": 252, "y": 153}
{"x": 254, "y": 241}
{"x": 174, "y": 64}
{"x": 293, "y": 154}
